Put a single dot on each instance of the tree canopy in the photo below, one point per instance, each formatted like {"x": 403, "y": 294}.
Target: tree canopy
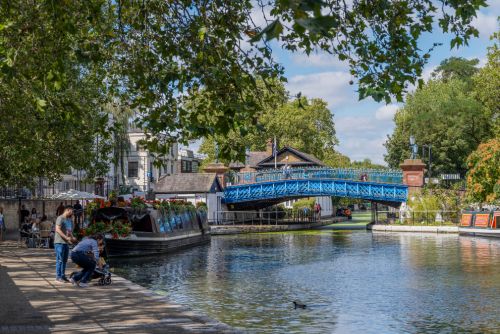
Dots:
{"x": 51, "y": 94}
{"x": 444, "y": 115}
{"x": 61, "y": 62}
{"x": 483, "y": 177}
{"x": 454, "y": 112}
{"x": 456, "y": 68}
{"x": 304, "y": 124}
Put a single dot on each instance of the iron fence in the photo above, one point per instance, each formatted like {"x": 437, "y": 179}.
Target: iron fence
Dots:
{"x": 278, "y": 217}
{"x": 43, "y": 188}
{"x": 431, "y": 217}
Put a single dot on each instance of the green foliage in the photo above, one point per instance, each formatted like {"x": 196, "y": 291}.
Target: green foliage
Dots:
{"x": 138, "y": 203}
{"x": 304, "y": 124}
{"x": 51, "y": 90}
{"x": 201, "y": 206}
{"x": 483, "y": 177}
{"x": 366, "y": 164}
{"x": 444, "y": 115}
{"x": 426, "y": 205}
{"x": 486, "y": 84}
{"x": 116, "y": 228}
{"x": 456, "y": 68}
{"x": 62, "y": 62}
{"x": 379, "y": 39}
{"x": 304, "y": 203}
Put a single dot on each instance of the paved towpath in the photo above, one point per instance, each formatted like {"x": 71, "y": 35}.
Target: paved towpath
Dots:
{"x": 31, "y": 302}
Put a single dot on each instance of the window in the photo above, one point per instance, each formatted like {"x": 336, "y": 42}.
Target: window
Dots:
{"x": 133, "y": 169}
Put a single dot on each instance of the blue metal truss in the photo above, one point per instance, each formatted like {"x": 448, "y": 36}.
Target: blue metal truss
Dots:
{"x": 315, "y": 187}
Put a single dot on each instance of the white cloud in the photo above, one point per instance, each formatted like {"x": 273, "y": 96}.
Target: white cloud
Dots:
{"x": 261, "y": 17}
{"x": 319, "y": 59}
{"x": 360, "y": 148}
{"x": 386, "y": 112}
{"x": 486, "y": 24}
{"x": 333, "y": 87}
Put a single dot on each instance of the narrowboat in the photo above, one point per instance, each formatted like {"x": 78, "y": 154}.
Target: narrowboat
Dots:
{"x": 152, "y": 232}
{"x": 481, "y": 224}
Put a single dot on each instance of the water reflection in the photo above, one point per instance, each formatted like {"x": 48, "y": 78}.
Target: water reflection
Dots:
{"x": 351, "y": 281}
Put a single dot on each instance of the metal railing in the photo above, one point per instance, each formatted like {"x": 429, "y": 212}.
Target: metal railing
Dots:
{"x": 264, "y": 217}
{"x": 365, "y": 175}
{"x": 431, "y": 217}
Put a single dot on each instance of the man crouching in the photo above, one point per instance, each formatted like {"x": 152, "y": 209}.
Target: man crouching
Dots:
{"x": 86, "y": 255}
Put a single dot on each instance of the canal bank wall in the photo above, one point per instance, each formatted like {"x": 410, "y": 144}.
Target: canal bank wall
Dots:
{"x": 241, "y": 229}
{"x": 32, "y": 302}
{"x": 413, "y": 228}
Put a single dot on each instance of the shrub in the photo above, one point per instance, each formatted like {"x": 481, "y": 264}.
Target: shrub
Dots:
{"x": 305, "y": 203}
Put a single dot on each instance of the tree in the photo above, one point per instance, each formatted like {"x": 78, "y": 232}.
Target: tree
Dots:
{"x": 379, "y": 38}
{"x": 483, "y": 177}
{"x": 366, "y": 164}
{"x": 304, "y": 124}
{"x": 456, "y": 68}
{"x": 152, "y": 55}
{"x": 444, "y": 115}
{"x": 51, "y": 92}
{"x": 487, "y": 84}
{"x": 121, "y": 142}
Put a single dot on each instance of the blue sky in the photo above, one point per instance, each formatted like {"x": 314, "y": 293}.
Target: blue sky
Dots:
{"x": 362, "y": 126}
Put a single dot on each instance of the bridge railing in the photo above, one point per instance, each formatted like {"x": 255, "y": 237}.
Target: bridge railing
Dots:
{"x": 365, "y": 175}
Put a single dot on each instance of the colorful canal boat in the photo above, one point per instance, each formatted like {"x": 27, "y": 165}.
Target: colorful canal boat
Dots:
{"x": 482, "y": 223}
{"x": 152, "y": 231}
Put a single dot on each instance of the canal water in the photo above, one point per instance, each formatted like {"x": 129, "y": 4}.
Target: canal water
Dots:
{"x": 351, "y": 282}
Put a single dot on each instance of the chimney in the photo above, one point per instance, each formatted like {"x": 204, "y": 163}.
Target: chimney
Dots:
{"x": 269, "y": 147}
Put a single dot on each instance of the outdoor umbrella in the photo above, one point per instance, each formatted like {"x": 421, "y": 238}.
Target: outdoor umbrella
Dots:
{"x": 73, "y": 194}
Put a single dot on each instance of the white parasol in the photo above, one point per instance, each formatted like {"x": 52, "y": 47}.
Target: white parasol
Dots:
{"x": 73, "y": 194}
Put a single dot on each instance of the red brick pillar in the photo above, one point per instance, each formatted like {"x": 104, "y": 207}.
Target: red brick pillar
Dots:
{"x": 413, "y": 174}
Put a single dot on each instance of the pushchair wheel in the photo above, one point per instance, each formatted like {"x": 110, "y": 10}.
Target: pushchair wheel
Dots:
{"x": 107, "y": 281}
{"x": 101, "y": 281}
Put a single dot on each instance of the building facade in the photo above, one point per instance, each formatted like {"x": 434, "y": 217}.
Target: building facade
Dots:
{"x": 188, "y": 161}
{"x": 141, "y": 168}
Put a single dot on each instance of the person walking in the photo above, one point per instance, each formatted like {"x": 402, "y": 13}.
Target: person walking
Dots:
{"x": 86, "y": 255}
{"x": 3, "y": 227}
{"x": 62, "y": 238}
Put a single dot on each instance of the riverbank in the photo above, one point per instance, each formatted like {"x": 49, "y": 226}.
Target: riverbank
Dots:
{"x": 413, "y": 228}
{"x": 33, "y": 303}
{"x": 242, "y": 229}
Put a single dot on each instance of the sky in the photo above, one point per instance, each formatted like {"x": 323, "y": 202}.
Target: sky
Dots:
{"x": 362, "y": 126}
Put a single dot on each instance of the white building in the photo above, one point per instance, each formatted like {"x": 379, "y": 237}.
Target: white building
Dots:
{"x": 141, "y": 167}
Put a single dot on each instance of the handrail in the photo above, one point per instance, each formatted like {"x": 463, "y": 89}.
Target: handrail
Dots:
{"x": 352, "y": 174}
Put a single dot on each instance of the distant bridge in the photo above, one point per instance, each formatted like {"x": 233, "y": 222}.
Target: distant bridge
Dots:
{"x": 265, "y": 188}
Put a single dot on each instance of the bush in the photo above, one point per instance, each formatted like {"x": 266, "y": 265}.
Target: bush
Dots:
{"x": 305, "y": 203}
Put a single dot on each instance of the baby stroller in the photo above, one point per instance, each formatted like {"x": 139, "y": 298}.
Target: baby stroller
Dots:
{"x": 102, "y": 275}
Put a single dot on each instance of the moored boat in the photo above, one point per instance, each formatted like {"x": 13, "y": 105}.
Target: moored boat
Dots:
{"x": 483, "y": 224}
{"x": 151, "y": 231}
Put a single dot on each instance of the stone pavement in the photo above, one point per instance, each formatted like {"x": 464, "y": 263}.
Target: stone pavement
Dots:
{"x": 31, "y": 302}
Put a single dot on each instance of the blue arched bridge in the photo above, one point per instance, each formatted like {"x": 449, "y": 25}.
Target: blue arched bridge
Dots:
{"x": 264, "y": 188}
